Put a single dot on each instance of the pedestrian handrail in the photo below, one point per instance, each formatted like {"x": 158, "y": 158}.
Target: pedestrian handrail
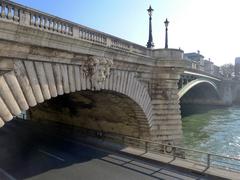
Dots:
{"x": 196, "y": 156}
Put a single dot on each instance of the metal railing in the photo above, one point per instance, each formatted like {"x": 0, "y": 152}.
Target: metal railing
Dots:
{"x": 205, "y": 159}
{"x": 191, "y": 67}
{"x": 197, "y": 157}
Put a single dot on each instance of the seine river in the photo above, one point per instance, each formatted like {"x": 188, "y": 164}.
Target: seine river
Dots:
{"x": 216, "y": 131}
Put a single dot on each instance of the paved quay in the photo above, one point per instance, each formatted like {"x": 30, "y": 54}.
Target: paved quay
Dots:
{"x": 27, "y": 154}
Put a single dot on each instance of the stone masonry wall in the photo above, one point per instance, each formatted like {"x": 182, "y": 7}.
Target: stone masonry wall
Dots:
{"x": 103, "y": 111}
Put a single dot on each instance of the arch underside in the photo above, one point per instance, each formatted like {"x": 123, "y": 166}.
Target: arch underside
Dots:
{"x": 31, "y": 83}
{"x": 104, "y": 110}
{"x": 195, "y": 83}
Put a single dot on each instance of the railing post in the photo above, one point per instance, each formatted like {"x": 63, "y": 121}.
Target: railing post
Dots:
{"x": 108, "y": 42}
{"x": 174, "y": 153}
{"x": 76, "y": 32}
{"x": 208, "y": 160}
{"x": 24, "y": 18}
{"x": 146, "y": 146}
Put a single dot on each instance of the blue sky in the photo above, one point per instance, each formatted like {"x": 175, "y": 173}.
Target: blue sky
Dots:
{"x": 210, "y": 26}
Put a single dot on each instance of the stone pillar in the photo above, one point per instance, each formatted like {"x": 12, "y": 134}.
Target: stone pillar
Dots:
{"x": 75, "y": 32}
{"x": 226, "y": 92}
{"x": 24, "y": 18}
{"x": 166, "y": 124}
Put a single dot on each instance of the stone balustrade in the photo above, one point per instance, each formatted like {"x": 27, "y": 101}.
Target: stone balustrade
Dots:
{"x": 92, "y": 36}
{"x": 22, "y": 15}
{"x": 9, "y": 11}
{"x": 48, "y": 23}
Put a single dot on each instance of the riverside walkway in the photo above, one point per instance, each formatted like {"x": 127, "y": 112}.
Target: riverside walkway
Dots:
{"x": 52, "y": 156}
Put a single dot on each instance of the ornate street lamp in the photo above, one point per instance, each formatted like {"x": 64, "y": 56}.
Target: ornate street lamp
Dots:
{"x": 166, "y": 22}
{"x": 150, "y": 39}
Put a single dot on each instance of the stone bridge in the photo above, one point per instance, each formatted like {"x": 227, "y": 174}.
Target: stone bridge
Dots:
{"x": 199, "y": 87}
{"x": 57, "y": 70}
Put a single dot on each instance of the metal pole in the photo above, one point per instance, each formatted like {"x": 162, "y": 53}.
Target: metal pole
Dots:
{"x": 166, "y": 38}
{"x": 150, "y": 38}
{"x": 208, "y": 160}
{"x": 146, "y": 147}
{"x": 166, "y": 33}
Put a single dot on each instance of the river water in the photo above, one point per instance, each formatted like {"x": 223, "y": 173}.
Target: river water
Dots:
{"x": 216, "y": 130}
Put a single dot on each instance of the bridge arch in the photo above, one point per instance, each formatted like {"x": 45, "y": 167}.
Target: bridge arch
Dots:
{"x": 31, "y": 83}
{"x": 194, "y": 83}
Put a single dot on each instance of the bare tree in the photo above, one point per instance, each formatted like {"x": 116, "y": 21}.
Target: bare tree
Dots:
{"x": 227, "y": 70}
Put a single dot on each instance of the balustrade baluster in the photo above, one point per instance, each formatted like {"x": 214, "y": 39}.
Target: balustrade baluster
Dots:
{"x": 87, "y": 35}
{"x": 31, "y": 19}
{"x": 80, "y": 33}
{"x": 58, "y": 27}
{"x": 62, "y": 28}
{"x": 16, "y": 14}
{"x": 94, "y": 37}
{"x": 97, "y": 38}
{"x": 84, "y": 34}
{"x": 54, "y": 26}
{"x": 3, "y": 13}
{"x": 41, "y": 24}
{"x": 50, "y": 24}
{"x": 45, "y": 23}
{"x": 37, "y": 23}
{"x": 70, "y": 30}
{"x": 65, "y": 29}
{"x": 91, "y": 36}
{"x": 9, "y": 15}
{"x": 102, "y": 39}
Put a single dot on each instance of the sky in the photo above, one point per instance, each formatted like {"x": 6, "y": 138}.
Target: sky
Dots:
{"x": 210, "y": 26}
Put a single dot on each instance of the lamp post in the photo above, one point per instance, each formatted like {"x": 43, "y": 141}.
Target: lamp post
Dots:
{"x": 166, "y": 22}
{"x": 150, "y": 39}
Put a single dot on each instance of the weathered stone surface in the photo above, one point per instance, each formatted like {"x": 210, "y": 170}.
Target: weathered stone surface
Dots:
{"x": 8, "y": 97}
{"x": 42, "y": 80}
{"x": 103, "y": 111}
{"x": 16, "y": 90}
{"x": 138, "y": 85}
{"x": 1, "y": 122}
{"x": 23, "y": 80}
{"x": 32, "y": 76}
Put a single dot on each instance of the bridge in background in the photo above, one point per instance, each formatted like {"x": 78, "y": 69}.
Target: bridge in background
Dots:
{"x": 122, "y": 87}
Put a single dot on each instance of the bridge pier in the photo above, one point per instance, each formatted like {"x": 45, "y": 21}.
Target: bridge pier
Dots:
{"x": 166, "y": 125}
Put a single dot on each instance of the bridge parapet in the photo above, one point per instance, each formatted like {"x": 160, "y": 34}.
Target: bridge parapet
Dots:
{"x": 194, "y": 67}
{"x": 168, "y": 54}
{"x": 13, "y": 12}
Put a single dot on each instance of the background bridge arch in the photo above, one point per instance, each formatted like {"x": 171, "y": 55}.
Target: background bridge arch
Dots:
{"x": 31, "y": 83}
{"x": 194, "y": 83}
